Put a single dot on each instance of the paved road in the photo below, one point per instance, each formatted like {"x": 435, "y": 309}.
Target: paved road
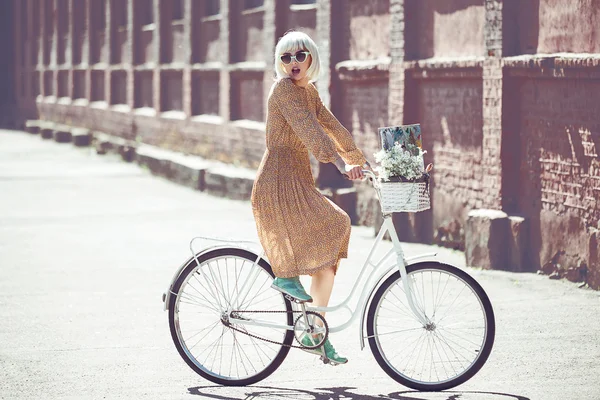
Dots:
{"x": 89, "y": 243}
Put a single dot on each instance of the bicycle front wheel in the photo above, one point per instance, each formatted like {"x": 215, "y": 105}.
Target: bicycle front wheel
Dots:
{"x": 454, "y": 343}
{"x": 207, "y": 300}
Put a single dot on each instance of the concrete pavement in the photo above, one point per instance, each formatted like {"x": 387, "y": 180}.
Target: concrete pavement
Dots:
{"x": 88, "y": 244}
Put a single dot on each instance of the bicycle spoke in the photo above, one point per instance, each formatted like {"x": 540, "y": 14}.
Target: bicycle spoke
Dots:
{"x": 460, "y": 337}
{"x": 201, "y": 330}
{"x": 403, "y": 330}
{"x": 445, "y": 347}
{"x": 211, "y": 288}
{"x": 192, "y": 299}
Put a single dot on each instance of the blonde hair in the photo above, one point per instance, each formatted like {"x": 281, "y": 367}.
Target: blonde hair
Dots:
{"x": 294, "y": 41}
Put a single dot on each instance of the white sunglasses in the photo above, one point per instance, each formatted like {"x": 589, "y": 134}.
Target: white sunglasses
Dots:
{"x": 300, "y": 56}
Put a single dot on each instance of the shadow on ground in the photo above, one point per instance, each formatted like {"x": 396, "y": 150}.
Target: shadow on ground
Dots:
{"x": 337, "y": 393}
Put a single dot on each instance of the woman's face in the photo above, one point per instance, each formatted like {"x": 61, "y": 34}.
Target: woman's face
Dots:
{"x": 298, "y": 63}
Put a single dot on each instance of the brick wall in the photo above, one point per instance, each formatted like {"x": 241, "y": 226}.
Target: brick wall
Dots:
{"x": 368, "y": 30}
{"x": 507, "y": 126}
{"x": 570, "y": 26}
{"x": 450, "y": 113}
{"x": 559, "y": 183}
{"x": 366, "y": 107}
{"x": 446, "y": 28}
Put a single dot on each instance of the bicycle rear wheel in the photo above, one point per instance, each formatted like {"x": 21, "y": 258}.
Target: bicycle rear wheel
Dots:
{"x": 200, "y": 309}
{"x": 451, "y": 347}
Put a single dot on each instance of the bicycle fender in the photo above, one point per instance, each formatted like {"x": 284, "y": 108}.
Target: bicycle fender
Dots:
{"x": 167, "y": 295}
{"x": 425, "y": 258}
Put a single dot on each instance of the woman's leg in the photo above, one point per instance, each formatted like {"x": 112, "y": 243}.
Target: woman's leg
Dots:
{"x": 320, "y": 290}
{"x": 321, "y": 287}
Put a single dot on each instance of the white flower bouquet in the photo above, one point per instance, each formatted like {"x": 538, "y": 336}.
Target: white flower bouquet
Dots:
{"x": 401, "y": 162}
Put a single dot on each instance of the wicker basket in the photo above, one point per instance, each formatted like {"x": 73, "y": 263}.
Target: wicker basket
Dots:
{"x": 404, "y": 196}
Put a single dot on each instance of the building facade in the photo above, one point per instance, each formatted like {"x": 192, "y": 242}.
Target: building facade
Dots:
{"x": 507, "y": 94}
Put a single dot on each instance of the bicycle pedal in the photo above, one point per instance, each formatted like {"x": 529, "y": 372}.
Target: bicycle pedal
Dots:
{"x": 325, "y": 360}
{"x": 293, "y": 299}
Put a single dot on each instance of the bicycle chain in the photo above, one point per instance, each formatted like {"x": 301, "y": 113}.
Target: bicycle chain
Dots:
{"x": 265, "y": 339}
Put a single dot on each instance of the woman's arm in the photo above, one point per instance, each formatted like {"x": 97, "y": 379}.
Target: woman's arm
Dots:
{"x": 292, "y": 102}
{"x": 343, "y": 140}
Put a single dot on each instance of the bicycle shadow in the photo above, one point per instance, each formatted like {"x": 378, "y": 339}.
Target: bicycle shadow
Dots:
{"x": 338, "y": 393}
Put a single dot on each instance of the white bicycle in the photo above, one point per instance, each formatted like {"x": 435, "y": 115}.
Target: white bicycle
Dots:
{"x": 429, "y": 325}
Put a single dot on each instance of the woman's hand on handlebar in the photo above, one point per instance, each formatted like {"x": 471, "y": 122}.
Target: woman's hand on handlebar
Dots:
{"x": 355, "y": 173}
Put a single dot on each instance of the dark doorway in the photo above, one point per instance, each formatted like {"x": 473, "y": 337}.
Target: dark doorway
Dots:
{"x": 7, "y": 62}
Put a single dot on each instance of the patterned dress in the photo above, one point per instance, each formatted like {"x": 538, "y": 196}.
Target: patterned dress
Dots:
{"x": 300, "y": 230}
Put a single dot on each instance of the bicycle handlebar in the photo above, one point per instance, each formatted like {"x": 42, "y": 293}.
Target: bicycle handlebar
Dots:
{"x": 367, "y": 172}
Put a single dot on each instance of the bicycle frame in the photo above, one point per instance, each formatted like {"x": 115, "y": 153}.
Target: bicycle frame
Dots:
{"x": 400, "y": 264}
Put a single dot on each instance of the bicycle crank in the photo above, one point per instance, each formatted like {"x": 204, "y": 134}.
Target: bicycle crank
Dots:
{"x": 308, "y": 322}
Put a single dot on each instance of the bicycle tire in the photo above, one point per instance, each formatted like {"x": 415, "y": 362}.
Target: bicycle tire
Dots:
{"x": 176, "y": 334}
{"x": 376, "y": 346}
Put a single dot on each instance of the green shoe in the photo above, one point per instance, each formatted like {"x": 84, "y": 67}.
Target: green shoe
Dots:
{"x": 308, "y": 340}
{"x": 292, "y": 287}
{"x": 332, "y": 356}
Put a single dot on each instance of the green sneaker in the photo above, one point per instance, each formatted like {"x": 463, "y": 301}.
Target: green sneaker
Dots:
{"x": 292, "y": 287}
{"x": 333, "y": 357}
{"x": 307, "y": 340}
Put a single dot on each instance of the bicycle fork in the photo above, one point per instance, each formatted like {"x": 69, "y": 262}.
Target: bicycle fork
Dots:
{"x": 418, "y": 312}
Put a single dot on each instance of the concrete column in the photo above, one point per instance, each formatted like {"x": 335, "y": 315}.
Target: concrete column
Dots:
{"x": 156, "y": 44}
{"x": 494, "y": 239}
{"x": 54, "y": 51}
{"x": 131, "y": 44}
{"x": 69, "y": 48}
{"x": 187, "y": 58}
{"x": 87, "y": 52}
{"x": 269, "y": 40}
{"x": 54, "y": 44}
{"x": 492, "y": 105}
{"x": 323, "y": 39}
{"x": 108, "y": 43}
{"x": 330, "y": 22}
{"x": 69, "y": 42}
{"x": 29, "y": 67}
{"x": 19, "y": 47}
{"x": 224, "y": 76}
{"x": 397, "y": 55}
{"x": 40, "y": 39}
{"x": 85, "y": 48}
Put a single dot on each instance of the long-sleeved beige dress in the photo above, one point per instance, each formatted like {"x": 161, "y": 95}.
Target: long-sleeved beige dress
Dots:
{"x": 300, "y": 230}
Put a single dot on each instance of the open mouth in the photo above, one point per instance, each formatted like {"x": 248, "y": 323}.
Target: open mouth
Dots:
{"x": 295, "y": 71}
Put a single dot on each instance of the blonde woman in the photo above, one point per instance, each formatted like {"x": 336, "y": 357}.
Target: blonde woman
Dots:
{"x": 302, "y": 232}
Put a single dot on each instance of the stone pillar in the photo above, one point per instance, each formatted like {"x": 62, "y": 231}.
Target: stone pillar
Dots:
{"x": 330, "y": 22}
{"x": 54, "y": 50}
{"x": 187, "y": 58}
{"x": 19, "y": 47}
{"x": 131, "y": 45}
{"x": 29, "y": 68}
{"x": 492, "y": 106}
{"x": 108, "y": 45}
{"x": 269, "y": 41}
{"x": 224, "y": 75}
{"x": 70, "y": 46}
{"x": 87, "y": 52}
{"x": 486, "y": 233}
{"x": 397, "y": 73}
{"x": 493, "y": 239}
{"x": 156, "y": 59}
{"x": 323, "y": 39}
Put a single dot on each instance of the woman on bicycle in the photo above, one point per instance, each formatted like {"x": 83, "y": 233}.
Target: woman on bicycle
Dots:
{"x": 301, "y": 231}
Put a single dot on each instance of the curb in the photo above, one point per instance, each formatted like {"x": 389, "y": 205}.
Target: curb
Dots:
{"x": 195, "y": 172}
